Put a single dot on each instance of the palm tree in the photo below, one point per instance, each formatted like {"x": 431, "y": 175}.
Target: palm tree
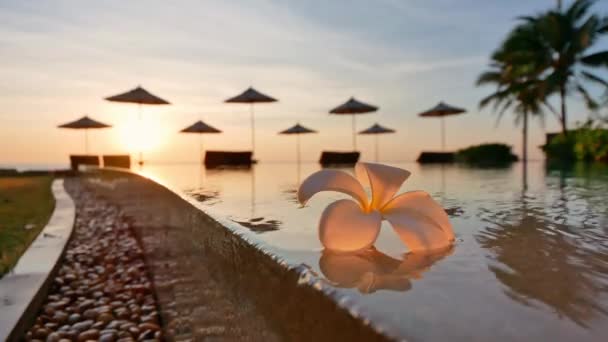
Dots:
{"x": 517, "y": 82}
{"x": 559, "y": 46}
{"x": 522, "y": 96}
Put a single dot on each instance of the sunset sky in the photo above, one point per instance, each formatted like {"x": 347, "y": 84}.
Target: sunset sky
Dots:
{"x": 59, "y": 59}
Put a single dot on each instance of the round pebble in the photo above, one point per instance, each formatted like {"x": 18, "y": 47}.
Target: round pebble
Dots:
{"x": 102, "y": 290}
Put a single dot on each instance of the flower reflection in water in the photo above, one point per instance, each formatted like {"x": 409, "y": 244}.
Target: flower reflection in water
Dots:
{"x": 370, "y": 270}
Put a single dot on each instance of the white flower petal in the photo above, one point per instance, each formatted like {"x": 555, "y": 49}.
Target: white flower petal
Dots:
{"x": 422, "y": 203}
{"x": 417, "y": 231}
{"x": 345, "y": 228}
{"x": 331, "y": 180}
{"x": 384, "y": 180}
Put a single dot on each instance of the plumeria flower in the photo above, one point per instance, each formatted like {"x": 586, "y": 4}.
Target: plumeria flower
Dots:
{"x": 348, "y": 226}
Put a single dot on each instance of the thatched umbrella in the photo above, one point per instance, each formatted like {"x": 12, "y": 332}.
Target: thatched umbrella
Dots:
{"x": 442, "y": 110}
{"x": 353, "y": 107}
{"x": 201, "y": 128}
{"x": 298, "y": 129}
{"x": 376, "y": 129}
{"x": 139, "y": 96}
{"x": 251, "y": 96}
{"x": 85, "y": 123}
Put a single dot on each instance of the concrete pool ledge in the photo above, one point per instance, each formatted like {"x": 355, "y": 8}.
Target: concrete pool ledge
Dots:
{"x": 299, "y": 302}
{"x": 24, "y": 288}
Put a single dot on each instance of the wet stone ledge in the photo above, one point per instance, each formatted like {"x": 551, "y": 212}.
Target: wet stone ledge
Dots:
{"x": 215, "y": 282}
{"x": 102, "y": 290}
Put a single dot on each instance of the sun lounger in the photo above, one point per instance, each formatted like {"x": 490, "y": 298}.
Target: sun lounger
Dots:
{"x": 120, "y": 161}
{"x": 339, "y": 158}
{"x": 228, "y": 158}
{"x": 85, "y": 160}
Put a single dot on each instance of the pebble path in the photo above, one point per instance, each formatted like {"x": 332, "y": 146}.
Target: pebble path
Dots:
{"x": 102, "y": 290}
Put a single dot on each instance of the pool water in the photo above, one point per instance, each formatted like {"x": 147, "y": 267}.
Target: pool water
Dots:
{"x": 530, "y": 260}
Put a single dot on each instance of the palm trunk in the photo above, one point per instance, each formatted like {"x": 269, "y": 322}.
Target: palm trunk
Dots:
{"x": 564, "y": 117}
{"x": 524, "y": 151}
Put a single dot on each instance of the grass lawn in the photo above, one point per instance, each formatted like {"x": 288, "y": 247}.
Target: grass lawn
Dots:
{"x": 26, "y": 204}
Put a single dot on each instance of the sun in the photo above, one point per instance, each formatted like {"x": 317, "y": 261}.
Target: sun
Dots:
{"x": 143, "y": 135}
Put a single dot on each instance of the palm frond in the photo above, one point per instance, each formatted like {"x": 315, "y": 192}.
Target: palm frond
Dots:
{"x": 593, "y": 78}
{"x": 506, "y": 105}
{"x": 489, "y": 77}
{"x": 497, "y": 97}
{"x": 603, "y": 25}
{"x": 586, "y": 35}
{"x": 551, "y": 109}
{"x": 579, "y": 9}
{"x": 591, "y": 103}
{"x": 596, "y": 59}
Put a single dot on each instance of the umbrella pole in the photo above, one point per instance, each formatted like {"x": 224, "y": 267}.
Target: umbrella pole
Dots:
{"x": 298, "y": 147}
{"x": 376, "y": 146}
{"x": 442, "y": 134}
{"x": 252, "y": 128}
{"x": 354, "y": 134}
{"x": 298, "y": 175}
{"x": 201, "y": 149}
{"x": 141, "y": 153}
{"x": 252, "y": 192}
{"x": 86, "y": 141}
{"x": 298, "y": 159}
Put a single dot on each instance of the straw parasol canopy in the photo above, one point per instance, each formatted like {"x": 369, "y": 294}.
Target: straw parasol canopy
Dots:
{"x": 353, "y": 107}
{"x": 85, "y": 123}
{"x": 377, "y": 129}
{"x": 139, "y": 96}
{"x": 251, "y": 96}
{"x": 442, "y": 110}
{"x": 201, "y": 128}
{"x": 297, "y": 129}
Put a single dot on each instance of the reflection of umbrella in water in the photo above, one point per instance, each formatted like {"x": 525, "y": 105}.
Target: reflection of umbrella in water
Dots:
{"x": 251, "y": 96}
{"x": 298, "y": 129}
{"x": 370, "y": 270}
{"x": 139, "y": 96}
{"x": 201, "y": 128}
{"x": 353, "y": 107}
{"x": 442, "y": 110}
{"x": 85, "y": 123}
{"x": 375, "y": 130}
